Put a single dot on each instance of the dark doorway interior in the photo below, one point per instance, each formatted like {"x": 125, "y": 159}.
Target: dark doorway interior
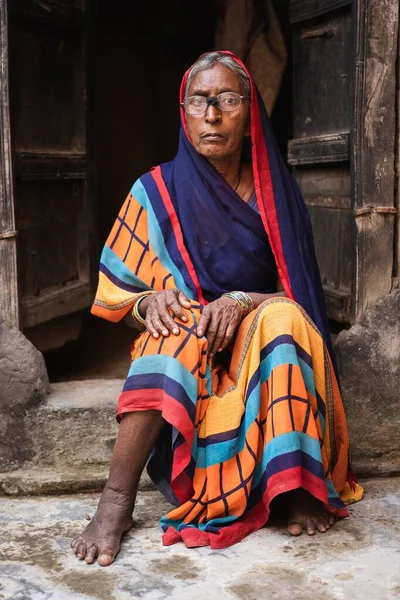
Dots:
{"x": 139, "y": 54}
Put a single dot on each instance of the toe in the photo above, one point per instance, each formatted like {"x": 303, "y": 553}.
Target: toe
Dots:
{"x": 91, "y": 554}
{"x": 81, "y": 550}
{"x": 321, "y": 527}
{"x": 295, "y": 529}
{"x": 106, "y": 558}
{"x": 75, "y": 542}
{"x": 310, "y": 527}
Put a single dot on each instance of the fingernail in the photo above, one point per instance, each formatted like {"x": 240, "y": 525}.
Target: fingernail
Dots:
{"x": 219, "y": 349}
{"x": 199, "y": 332}
{"x": 164, "y": 332}
{"x": 184, "y": 318}
{"x": 175, "y": 331}
{"x": 155, "y": 335}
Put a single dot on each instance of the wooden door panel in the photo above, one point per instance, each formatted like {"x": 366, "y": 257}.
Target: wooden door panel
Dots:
{"x": 320, "y": 149}
{"x": 48, "y": 115}
{"x": 322, "y": 50}
{"x": 47, "y": 86}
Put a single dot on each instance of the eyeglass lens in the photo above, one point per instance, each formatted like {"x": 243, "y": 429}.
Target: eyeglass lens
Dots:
{"x": 226, "y": 101}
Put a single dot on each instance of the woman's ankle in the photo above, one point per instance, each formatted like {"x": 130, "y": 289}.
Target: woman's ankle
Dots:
{"x": 118, "y": 497}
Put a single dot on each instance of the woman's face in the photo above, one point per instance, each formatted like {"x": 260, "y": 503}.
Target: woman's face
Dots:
{"x": 215, "y": 134}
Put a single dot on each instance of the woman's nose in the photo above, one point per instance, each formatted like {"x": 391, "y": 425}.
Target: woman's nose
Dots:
{"x": 213, "y": 114}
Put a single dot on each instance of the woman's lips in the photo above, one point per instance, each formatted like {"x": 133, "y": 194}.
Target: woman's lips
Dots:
{"x": 212, "y": 136}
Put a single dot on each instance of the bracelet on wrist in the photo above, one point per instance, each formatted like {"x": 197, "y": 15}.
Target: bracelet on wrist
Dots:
{"x": 243, "y": 300}
{"x": 135, "y": 309}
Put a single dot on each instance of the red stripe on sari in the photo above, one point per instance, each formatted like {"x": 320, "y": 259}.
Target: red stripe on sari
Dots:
{"x": 162, "y": 188}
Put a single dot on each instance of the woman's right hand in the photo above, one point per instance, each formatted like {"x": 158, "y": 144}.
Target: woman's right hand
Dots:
{"x": 160, "y": 309}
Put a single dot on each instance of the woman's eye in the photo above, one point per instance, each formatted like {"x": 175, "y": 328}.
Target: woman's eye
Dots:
{"x": 229, "y": 100}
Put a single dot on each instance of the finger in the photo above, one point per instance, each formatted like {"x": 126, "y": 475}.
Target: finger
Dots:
{"x": 149, "y": 325}
{"x": 184, "y": 300}
{"x": 165, "y": 317}
{"x": 177, "y": 309}
{"x": 215, "y": 335}
{"x": 229, "y": 333}
{"x": 216, "y": 344}
{"x": 158, "y": 325}
{"x": 203, "y": 322}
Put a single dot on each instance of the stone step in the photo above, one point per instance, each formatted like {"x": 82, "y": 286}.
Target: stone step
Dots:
{"x": 76, "y": 427}
{"x": 35, "y": 481}
{"x": 71, "y": 438}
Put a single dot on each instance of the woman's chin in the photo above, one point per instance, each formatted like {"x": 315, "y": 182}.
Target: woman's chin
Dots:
{"x": 213, "y": 152}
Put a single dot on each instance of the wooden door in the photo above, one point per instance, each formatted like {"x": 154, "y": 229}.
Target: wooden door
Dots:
{"x": 345, "y": 173}
{"x": 48, "y": 98}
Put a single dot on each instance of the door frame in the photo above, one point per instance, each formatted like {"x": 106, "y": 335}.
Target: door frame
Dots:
{"x": 373, "y": 148}
{"x": 9, "y": 301}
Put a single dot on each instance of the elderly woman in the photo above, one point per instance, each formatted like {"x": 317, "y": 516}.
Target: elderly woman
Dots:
{"x": 231, "y": 397}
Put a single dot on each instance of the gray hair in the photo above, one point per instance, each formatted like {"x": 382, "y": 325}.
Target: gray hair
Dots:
{"x": 218, "y": 58}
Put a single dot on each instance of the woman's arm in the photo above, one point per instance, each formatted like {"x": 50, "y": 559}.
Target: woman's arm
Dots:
{"x": 260, "y": 298}
{"x": 131, "y": 322}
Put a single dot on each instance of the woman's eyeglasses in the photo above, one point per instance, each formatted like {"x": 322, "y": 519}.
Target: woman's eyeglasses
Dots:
{"x": 227, "y": 101}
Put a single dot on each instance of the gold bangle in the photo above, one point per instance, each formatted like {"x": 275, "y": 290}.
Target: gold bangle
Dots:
{"x": 135, "y": 310}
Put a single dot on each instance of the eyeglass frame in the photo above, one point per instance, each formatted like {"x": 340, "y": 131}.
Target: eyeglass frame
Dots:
{"x": 213, "y": 101}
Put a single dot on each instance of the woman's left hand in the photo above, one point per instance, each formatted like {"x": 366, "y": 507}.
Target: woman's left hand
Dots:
{"x": 218, "y": 322}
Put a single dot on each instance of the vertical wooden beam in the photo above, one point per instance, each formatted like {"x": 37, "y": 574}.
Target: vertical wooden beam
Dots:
{"x": 396, "y": 266}
{"x": 9, "y": 308}
{"x": 374, "y": 132}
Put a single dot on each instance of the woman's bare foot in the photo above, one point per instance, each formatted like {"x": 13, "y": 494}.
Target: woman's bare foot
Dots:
{"x": 102, "y": 537}
{"x": 306, "y": 512}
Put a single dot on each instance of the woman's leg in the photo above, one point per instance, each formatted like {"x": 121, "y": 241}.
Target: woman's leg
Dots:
{"x": 138, "y": 433}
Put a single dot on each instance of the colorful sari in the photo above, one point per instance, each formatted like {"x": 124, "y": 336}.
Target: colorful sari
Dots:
{"x": 268, "y": 418}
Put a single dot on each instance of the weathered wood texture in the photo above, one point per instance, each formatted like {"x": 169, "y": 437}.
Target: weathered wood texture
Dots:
{"x": 396, "y": 265}
{"x": 300, "y": 10}
{"x": 345, "y": 57}
{"x": 8, "y": 260}
{"x": 320, "y": 150}
{"x": 373, "y": 149}
{"x": 48, "y": 110}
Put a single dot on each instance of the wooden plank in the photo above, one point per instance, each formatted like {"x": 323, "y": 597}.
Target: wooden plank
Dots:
{"x": 334, "y": 202}
{"x": 304, "y": 10}
{"x": 37, "y": 165}
{"x": 9, "y": 308}
{"x": 54, "y": 12}
{"x": 330, "y": 148}
{"x": 338, "y": 303}
{"x": 55, "y": 303}
{"x": 373, "y": 148}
